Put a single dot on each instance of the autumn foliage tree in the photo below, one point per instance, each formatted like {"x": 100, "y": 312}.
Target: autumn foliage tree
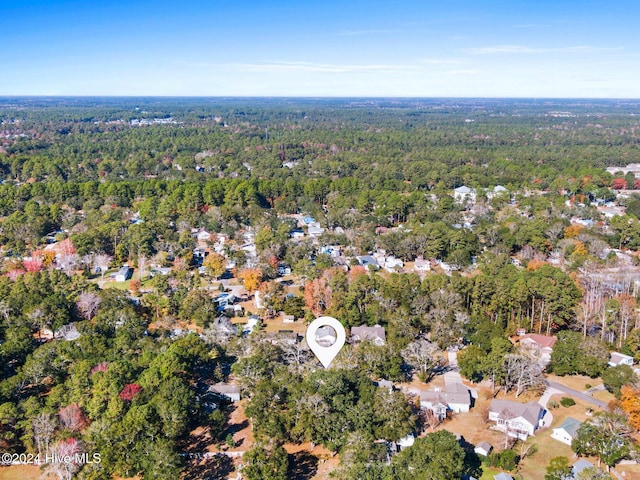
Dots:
{"x": 129, "y": 391}
{"x": 251, "y": 278}
{"x": 215, "y": 264}
{"x": 33, "y": 264}
{"x": 317, "y": 295}
{"x": 72, "y": 417}
{"x": 630, "y": 403}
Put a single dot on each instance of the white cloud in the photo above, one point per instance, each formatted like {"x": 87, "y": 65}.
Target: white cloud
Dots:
{"x": 523, "y": 49}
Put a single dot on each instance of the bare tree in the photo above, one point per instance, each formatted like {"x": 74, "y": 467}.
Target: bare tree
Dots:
{"x": 102, "y": 262}
{"x": 219, "y": 331}
{"x": 521, "y": 373}
{"x": 72, "y": 417}
{"x": 88, "y": 304}
{"x": 68, "y": 263}
{"x": 5, "y": 309}
{"x": 43, "y": 427}
{"x": 142, "y": 265}
{"x": 66, "y": 459}
{"x": 296, "y": 354}
{"x": 422, "y": 355}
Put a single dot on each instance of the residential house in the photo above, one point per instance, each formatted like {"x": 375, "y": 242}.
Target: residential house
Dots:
{"x": 226, "y": 391}
{"x": 296, "y": 234}
{"x": 616, "y": 359}
{"x": 518, "y": 420}
{"x": 284, "y": 270}
{"x": 540, "y": 346}
{"x": 393, "y": 264}
{"x": 496, "y": 191}
{"x": 124, "y": 274}
{"x": 464, "y": 194}
{"x": 201, "y": 235}
{"x": 366, "y": 260}
{"x": 405, "y": 442}
{"x": 384, "y": 384}
{"x": 315, "y": 231}
{"x": 331, "y": 250}
{"x": 483, "y": 448}
{"x": 252, "y": 322}
{"x": 375, "y": 334}
{"x": 455, "y": 398}
{"x": 326, "y": 336}
{"x": 566, "y": 432}
{"x": 421, "y": 265}
{"x": 579, "y": 466}
{"x": 502, "y": 476}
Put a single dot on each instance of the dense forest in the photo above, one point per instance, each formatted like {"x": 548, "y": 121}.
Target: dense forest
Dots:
{"x": 124, "y": 369}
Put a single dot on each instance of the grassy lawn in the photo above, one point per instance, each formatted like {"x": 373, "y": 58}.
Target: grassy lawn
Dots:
{"x": 577, "y": 382}
{"x": 488, "y": 473}
{"x": 534, "y": 467}
{"x": 20, "y": 472}
{"x": 629, "y": 471}
{"x": 604, "y": 396}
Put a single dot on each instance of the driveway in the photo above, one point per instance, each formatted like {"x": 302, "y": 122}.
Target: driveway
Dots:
{"x": 574, "y": 393}
{"x": 452, "y": 375}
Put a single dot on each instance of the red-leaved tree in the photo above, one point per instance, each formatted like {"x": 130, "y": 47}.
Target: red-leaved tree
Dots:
{"x": 129, "y": 391}
{"x": 72, "y": 417}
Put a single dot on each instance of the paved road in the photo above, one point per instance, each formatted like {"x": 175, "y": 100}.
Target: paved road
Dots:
{"x": 452, "y": 375}
{"x": 577, "y": 394}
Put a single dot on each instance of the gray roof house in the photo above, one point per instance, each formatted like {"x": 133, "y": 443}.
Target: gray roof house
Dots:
{"x": 581, "y": 465}
{"x": 483, "y": 448}
{"x": 226, "y": 391}
{"x": 124, "y": 274}
{"x": 517, "y": 419}
{"x": 455, "y": 397}
{"x": 503, "y": 476}
{"x": 618, "y": 359}
{"x": 375, "y": 334}
{"x": 566, "y": 432}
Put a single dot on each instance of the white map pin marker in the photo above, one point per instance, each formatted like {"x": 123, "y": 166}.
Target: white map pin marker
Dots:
{"x": 325, "y": 353}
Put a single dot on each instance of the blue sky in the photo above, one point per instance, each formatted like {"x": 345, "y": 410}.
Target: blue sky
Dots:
{"x": 420, "y": 48}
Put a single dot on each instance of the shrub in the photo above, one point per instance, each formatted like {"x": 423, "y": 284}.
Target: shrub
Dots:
{"x": 553, "y": 405}
{"x": 506, "y": 460}
{"x": 567, "y": 402}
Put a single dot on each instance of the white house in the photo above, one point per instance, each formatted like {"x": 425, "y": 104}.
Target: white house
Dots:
{"x": 252, "y": 322}
{"x": 464, "y": 194}
{"x": 518, "y": 420}
{"x": 124, "y": 274}
{"x": 366, "y": 260}
{"x": 421, "y": 265}
{"x": 455, "y": 398}
{"x": 566, "y": 432}
{"x": 483, "y": 448}
{"x": 496, "y": 191}
{"x": 581, "y": 465}
{"x": 315, "y": 231}
{"x": 540, "y": 346}
{"x": 406, "y": 442}
{"x": 226, "y": 391}
{"x": 502, "y": 476}
{"x": 201, "y": 235}
{"x": 375, "y": 334}
{"x": 618, "y": 359}
{"x": 296, "y": 234}
{"x": 392, "y": 264}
